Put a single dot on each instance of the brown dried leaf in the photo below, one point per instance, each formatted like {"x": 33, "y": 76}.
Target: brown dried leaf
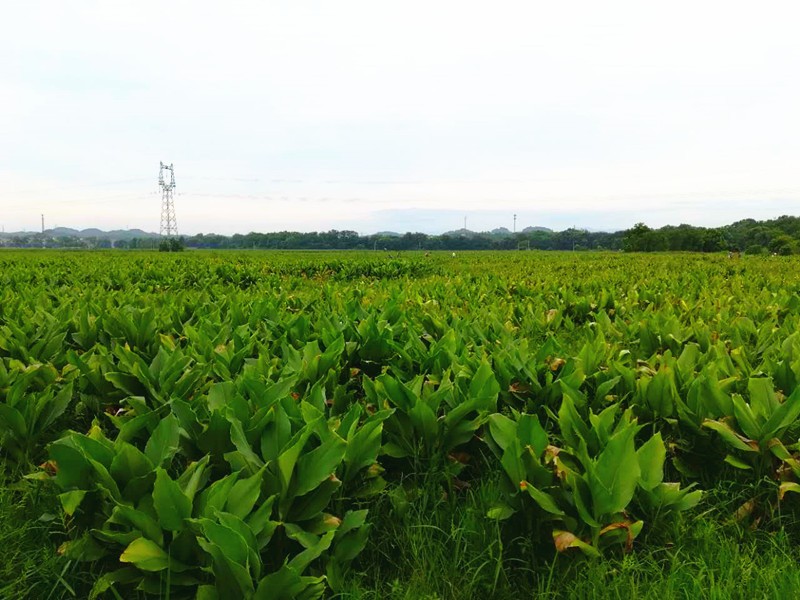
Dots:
{"x": 563, "y": 540}
{"x": 744, "y": 511}
{"x": 460, "y": 457}
{"x": 461, "y": 485}
{"x": 519, "y": 388}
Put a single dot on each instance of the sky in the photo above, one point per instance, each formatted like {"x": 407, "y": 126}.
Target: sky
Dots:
{"x": 402, "y": 116}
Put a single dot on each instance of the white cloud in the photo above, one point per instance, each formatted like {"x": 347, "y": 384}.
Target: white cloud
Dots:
{"x": 673, "y": 112}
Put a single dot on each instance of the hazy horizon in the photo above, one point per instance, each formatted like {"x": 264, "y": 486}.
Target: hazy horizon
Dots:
{"x": 368, "y": 117}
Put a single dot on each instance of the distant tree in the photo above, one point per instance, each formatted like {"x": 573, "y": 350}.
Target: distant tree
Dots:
{"x": 713, "y": 241}
{"x": 635, "y": 239}
{"x": 172, "y": 245}
{"x": 784, "y": 245}
{"x": 755, "y": 249}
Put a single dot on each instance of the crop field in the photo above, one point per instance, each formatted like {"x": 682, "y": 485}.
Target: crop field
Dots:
{"x": 276, "y": 425}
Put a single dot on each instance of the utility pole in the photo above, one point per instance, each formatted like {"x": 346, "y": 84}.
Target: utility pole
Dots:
{"x": 465, "y": 223}
{"x": 515, "y": 222}
{"x": 169, "y": 225}
{"x": 42, "y": 223}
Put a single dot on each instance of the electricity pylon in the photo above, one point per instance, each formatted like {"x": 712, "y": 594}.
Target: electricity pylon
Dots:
{"x": 169, "y": 225}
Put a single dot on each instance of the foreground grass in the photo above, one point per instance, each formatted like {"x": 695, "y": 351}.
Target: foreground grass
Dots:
{"x": 440, "y": 545}
{"x": 444, "y": 548}
{"x": 30, "y": 533}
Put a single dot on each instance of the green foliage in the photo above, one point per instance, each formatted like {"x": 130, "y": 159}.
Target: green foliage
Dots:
{"x": 230, "y": 426}
{"x": 172, "y": 245}
{"x": 755, "y": 250}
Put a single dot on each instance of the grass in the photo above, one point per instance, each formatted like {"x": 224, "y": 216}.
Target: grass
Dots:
{"x": 708, "y": 562}
{"x": 30, "y": 533}
{"x": 439, "y": 545}
{"x": 445, "y": 548}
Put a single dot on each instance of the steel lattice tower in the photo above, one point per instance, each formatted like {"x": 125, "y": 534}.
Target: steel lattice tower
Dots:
{"x": 169, "y": 225}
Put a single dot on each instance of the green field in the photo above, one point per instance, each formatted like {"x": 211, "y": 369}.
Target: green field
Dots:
{"x": 366, "y": 424}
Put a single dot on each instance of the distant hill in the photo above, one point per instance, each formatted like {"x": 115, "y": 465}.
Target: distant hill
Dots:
{"x": 500, "y": 232}
{"x": 13, "y": 234}
{"x": 127, "y": 234}
{"x": 114, "y": 235}
{"x": 389, "y": 234}
{"x": 460, "y": 233}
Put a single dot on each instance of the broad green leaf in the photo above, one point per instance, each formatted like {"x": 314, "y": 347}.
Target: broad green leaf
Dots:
{"x": 312, "y": 504}
{"x": 288, "y": 458}
{"x": 171, "y": 504}
{"x": 605, "y": 388}
{"x": 531, "y": 433}
{"x": 783, "y": 416}
{"x": 125, "y": 515}
{"x": 545, "y": 501}
{"x": 316, "y": 466}
{"x": 194, "y": 477}
{"x": 615, "y": 475}
{"x": 12, "y": 420}
{"x": 512, "y": 463}
{"x": 733, "y": 439}
{"x": 234, "y": 523}
{"x": 233, "y": 545}
{"x": 348, "y": 545}
{"x": 747, "y": 421}
{"x": 232, "y": 579}
{"x": 244, "y": 494}
{"x": 163, "y": 443}
{"x": 484, "y": 386}
{"x": 70, "y": 501}
{"x": 239, "y": 440}
{"x": 736, "y": 463}
{"x": 129, "y": 463}
{"x": 573, "y": 428}
{"x": 127, "y": 383}
{"x": 661, "y": 392}
{"x": 652, "y": 455}
{"x": 354, "y": 519}
{"x": 287, "y": 584}
{"x": 762, "y": 397}
{"x": 215, "y": 496}
{"x": 220, "y": 395}
{"x": 83, "y": 549}
{"x": 146, "y": 555}
{"x": 788, "y": 486}
{"x": 300, "y": 561}
{"x": 364, "y": 444}
{"x": 502, "y": 429}
{"x": 207, "y": 592}
{"x": 73, "y": 469}
{"x": 500, "y": 512}
{"x": 126, "y": 575}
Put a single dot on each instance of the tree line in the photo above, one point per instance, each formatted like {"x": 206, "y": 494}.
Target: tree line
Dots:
{"x": 776, "y": 236}
{"x": 779, "y": 236}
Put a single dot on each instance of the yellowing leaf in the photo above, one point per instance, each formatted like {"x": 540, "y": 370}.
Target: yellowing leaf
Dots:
{"x": 146, "y": 555}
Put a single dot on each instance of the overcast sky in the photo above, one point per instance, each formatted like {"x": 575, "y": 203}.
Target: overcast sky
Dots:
{"x": 377, "y": 115}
